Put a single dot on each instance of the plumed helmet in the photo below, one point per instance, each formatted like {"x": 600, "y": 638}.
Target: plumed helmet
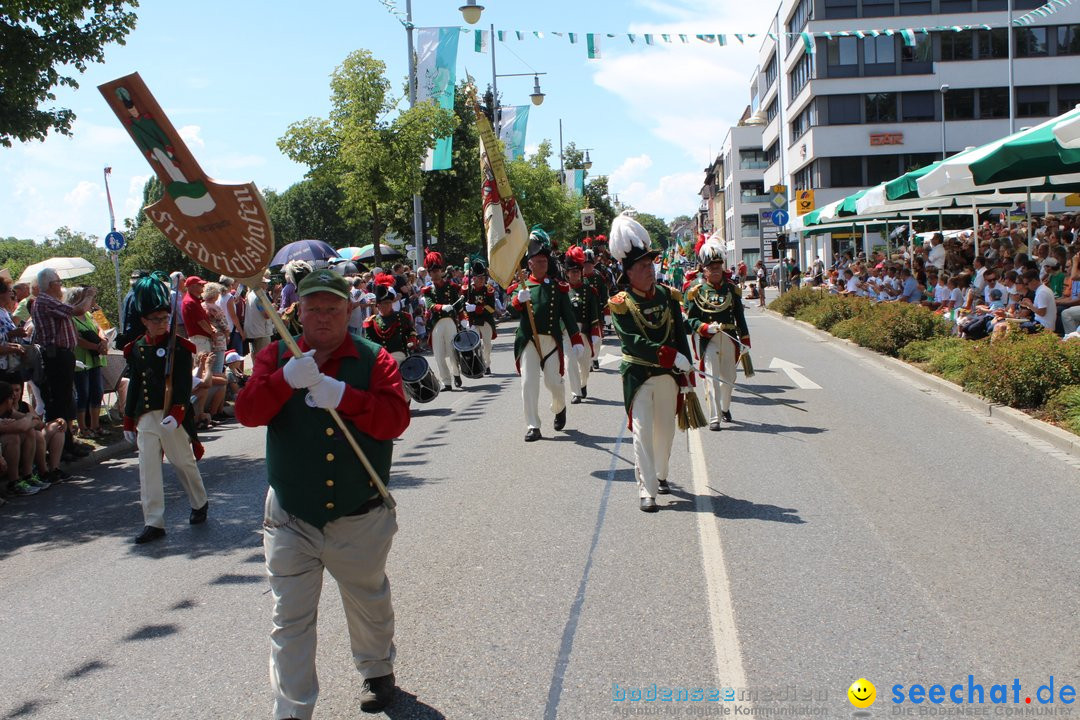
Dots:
{"x": 150, "y": 295}
{"x": 539, "y": 242}
{"x": 434, "y": 260}
{"x": 296, "y": 270}
{"x": 384, "y": 287}
{"x": 711, "y": 250}
{"x": 574, "y": 258}
{"x": 478, "y": 267}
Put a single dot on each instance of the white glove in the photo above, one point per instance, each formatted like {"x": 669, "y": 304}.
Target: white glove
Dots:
{"x": 326, "y": 393}
{"x": 168, "y": 422}
{"x": 712, "y": 328}
{"x": 597, "y": 343}
{"x": 396, "y": 306}
{"x": 524, "y": 295}
{"x": 469, "y": 307}
{"x": 423, "y": 301}
{"x": 465, "y": 324}
{"x": 129, "y": 435}
{"x": 579, "y": 351}
{"x": 682, "y": 364}
{"x": 302, "y": 372}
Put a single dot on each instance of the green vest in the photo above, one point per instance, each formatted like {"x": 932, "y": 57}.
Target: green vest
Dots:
{"x": 311, "y": 466}
{"x": 552, "y": 312}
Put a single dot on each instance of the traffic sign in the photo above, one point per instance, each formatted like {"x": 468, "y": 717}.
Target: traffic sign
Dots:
{"x": 804, "y": 201}
{"x": 114, "y": 241}
{"x": 779, "y": 197}
{"x": 780, "y": 218}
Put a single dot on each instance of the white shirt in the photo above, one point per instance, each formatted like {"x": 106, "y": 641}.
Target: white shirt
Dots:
{"x": 223, "y": 303}
{"x": 941, "y": 293}
{"x": 255, "y": 325}
{"x": 1044, "y": 298}
{"x": 852, "y": 285}
{"x": 937, "y": 256}
{"x": 957, "y": 297}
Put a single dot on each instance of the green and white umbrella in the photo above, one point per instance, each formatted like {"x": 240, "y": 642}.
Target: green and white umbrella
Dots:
{"x": 1067, "y": 133}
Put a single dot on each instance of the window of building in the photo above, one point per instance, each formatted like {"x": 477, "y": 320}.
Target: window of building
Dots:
{"x": 955, "y": 6}
{"x": 845, "y": 109}
{"x": 959, "y": 105}
{"x": 988, "y": 5}
{"x": 753, "y": 191}
{"x": 957, "y": 46}
{"x": 846, "y": 172}
{"x": 770, "y": 72}
{"x": 753, "y": 160}
{"x": 880, "y": 107}
{"x": 882, "y": 168}
{"x": 1027, "y": 4}
{"x": 772, "y": 154}
{"x": 1068, "y": 40}
{"x": 1031, "y": 42}
{"x": 993, "y": 103}
{"x": 803, "y": 12}
{"x": 842, "y": 56}
{"x": 1068, "y": 97}
{"x": 917, "y": 106}
{"x": 917, "y": 58}
{"x": 992, "y": 43}
{"x": 804, "y": 179}
{"x": 802, "y": 122}
{"x": 770, "y": 112}
{"x": 914, "y": 161}
{"x": 878, "y": 8}
{"x": 749, "y": 226}
{"x": 880, "y": 50}
{"x": 915, "y": 7}
{"x": 1033, "y": 101}
{"x": 841, "y": 9}
{"x": 800, "y": 75}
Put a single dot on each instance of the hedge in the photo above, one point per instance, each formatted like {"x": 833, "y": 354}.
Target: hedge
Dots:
{"x": 1063, "y": 407}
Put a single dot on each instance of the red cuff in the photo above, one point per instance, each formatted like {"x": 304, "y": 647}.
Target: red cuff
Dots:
{"x": 576, "y": 339}
{"x": 516, "y": 304}
{"x": 177, "y": 411}
{"x": 436, "y": 308}
{"x": 745, "y": 340}
{"x": 703, "y": 331}
{"x": 129, "y": 423}
{"x": 666, "y": 356}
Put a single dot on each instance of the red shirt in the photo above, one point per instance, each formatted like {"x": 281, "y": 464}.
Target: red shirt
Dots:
{"x": 194, "y": 314}
{"x": 380, "y": 411}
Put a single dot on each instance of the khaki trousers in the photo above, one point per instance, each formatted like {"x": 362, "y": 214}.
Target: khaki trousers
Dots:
{"x": 354, "y": 550}
{"x": 653, "y": 415}
{"x": 485, "y": 337}
{"x": 719, "y": 361}
{"x": 442, "y": 345}
{"x": 530, "y": 380}
{"x": 577, "y": 368}
{"x": 151, "y": 441}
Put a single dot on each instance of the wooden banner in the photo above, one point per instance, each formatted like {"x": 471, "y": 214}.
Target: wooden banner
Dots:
{"x": 224, "y": 228}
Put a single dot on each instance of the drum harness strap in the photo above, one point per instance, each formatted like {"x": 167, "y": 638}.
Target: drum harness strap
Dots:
{"x": 536, "y": 337}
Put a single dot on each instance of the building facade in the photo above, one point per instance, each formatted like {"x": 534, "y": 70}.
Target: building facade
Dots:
{"x": 746, "y": 195}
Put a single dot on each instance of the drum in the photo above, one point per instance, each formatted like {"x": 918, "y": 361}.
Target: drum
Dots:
{"x": 419, "y": 380}
{"x": 470, "y": 359}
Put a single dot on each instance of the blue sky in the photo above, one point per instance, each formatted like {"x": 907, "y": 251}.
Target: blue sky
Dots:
{"x": 233, "y": 74}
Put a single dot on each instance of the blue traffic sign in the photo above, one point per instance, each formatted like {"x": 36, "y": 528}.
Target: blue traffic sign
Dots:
{"x": 779, "y": 218}
{"x": 114, "y": 241}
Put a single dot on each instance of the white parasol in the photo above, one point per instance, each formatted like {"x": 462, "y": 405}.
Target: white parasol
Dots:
{"x": 65, "y": 267}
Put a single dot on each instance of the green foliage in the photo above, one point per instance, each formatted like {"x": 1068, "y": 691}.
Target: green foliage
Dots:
{"x": 658, "y": 229}
{"x": 831, "y": 310}
{"x": 888, "y": 327}
{"x": 309, "y": 209}
{"x": 1063, "y": 407}
{"x": 949, "y": 357}
{"x": 1023, "y": 371}
{"x": 791, "y": 302}
{"x": 542, "y": 199}
{"x": 598, "y": 197}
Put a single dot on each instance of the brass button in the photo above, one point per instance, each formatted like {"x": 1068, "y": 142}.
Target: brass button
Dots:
{"x": 329, "y": 431}
{"x": 329, "y": 483}
{"x": 329, "y": 457}
{"x": 329, "y": 506}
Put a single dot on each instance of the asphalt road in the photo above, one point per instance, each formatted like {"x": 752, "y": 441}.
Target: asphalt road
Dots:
{"x": 886, "y": 533}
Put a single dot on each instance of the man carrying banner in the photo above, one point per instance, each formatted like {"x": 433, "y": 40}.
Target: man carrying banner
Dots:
{"x": 587, "y": 309}
{"x": 656, "y": 356}
{"x": 444, "y": 308}
{"x": 714, "y": 312}
{"x": 480, "y": 307}
{"x": 546, "y": 313}
{"x": 390, "y": 327}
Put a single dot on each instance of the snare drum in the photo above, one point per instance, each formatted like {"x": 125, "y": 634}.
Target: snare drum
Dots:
{"x": 470, "y": 360}
{"x": 419, "y": 380}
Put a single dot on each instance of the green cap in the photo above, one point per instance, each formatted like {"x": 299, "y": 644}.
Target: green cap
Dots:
{"x": 324, "y": 281}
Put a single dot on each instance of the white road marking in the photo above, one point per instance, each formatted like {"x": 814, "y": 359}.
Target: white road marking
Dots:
{"x": 729, "y": 662}
{"x": 792, "y": 371}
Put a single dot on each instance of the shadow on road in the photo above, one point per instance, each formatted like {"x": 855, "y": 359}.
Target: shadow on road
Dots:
{"x": 772, "y": 428}
{"x": 407, "y": 706}
{"x": 729, "y": 508}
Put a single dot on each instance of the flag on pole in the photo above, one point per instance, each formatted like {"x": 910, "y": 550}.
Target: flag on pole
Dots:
{"x": 592, "y": 42}
{"x": 436, "y": 70}
{"x": 504, "y": 228}
{"x": 574, "y": 182}
{"x": 513, "y": 122}
{"x": 480, "y": 41}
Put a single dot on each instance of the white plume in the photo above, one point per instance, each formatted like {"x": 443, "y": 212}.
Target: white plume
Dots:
{"x": 712, "y": 250}
{"x": 626, "y": 234}
{"x": 296, "y": 266}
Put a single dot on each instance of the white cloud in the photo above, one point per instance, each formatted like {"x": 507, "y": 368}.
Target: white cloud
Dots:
{"x": 631, "y": 169}
{"x": 190, "y": 135}
{"x": 665, "y": 197}
{"x": 132, "y": 201}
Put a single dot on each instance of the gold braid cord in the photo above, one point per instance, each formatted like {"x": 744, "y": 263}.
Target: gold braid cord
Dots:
{"x": 643, "y": 324}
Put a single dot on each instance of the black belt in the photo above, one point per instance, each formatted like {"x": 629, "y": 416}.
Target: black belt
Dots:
{"x": 366, "y": 507}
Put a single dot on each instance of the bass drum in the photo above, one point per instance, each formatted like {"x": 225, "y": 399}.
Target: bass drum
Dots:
{"x": 419, "y": 380}
{"x": 470, "y": 360}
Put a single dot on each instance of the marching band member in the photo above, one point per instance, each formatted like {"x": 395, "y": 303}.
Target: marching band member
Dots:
{"x": 390, "y": 327}
{"x": 546, "y": 312}
{"x": 443, "y": 301}
{"x": 587, "y": 309}
{"x": 656, "y": 356}
{"x": 480, "y": 308}
{"x": 714, "y": 312}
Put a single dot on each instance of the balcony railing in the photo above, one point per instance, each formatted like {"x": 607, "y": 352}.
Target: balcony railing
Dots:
{"x": 754, "y": 198}
{"x": 753, "y": 164}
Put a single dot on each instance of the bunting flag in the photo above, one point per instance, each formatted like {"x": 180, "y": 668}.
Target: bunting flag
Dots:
{"x": 574, "y": 182}
{"x": 592, "y": 42}
{"x": 504, "y": 228}
{"x": 502, "y": 35}
{"x": 520, "y": 35}
{"x": 908, "y": 36}
{"x": 436, "y": 69}
{"x": 513, "y": 122}
{"x": 648, "y": 39}
{"x": 480, "y": 40}
{"x": 573, "y": 38}
{"x": 808, "y": 42}
{"x": 721, "y": 40}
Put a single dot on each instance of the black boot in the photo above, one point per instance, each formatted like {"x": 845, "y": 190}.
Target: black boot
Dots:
{"x": 664, "y": 488}
{"x": 149, "y": 534}
{"x": 457, "y": 381}
{"x": 532, "y": 435}
{"x": 560, "y": 420}
{"x": 648, "y": 505}
{"x": 376, "y": 693}
{"x": 725, "y": 415}
{"x": 198, "y": 515}
{"x": 584, "y": 391}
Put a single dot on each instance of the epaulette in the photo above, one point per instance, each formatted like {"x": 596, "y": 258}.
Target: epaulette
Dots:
{"x": 187, "y": 344}
{"x": 129, "y": 347}
{"x": 676, "y": 295}
{"x": 692, "y": 293}
{"x": 427, "y": 288}
{"x": 736, "y": 289}
{"x": 563, "y": 286}
{"x": 617, "y": 303}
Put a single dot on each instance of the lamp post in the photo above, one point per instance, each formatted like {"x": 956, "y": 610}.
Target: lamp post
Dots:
{"x": 944, "y": 89}
{"x": 537, "y": 96}
{"x": 471, "y": 11}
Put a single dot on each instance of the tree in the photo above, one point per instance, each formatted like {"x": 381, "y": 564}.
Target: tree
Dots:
{"x": 658, "y": 229}
{"x": 309, "y": 209}
{"x": 43, "y": 41}
{"x": 599, "y": 198}
{"x": 374, "y": 160}
{"x": 543, "y": 199}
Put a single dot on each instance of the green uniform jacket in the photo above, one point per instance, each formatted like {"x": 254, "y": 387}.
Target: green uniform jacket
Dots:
{"x": 394, "y": 332}
{"x": 706, "y": 304}
{"x": 484, "y": 300}
{"x": 552, "y": 311}
{"x": 146, "y": 388}
{"x": 588, "y": 309}
{"x": 653, "y": 348}
{"x": 440, "y": 302}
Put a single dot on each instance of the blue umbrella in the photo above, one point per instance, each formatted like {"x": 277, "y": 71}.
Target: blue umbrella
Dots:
{"x": 309, "y": 250}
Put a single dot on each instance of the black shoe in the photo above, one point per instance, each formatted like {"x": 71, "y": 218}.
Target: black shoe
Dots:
{"x": 648, "y": 505}
{"x": 376, "y": 693}
{"x": 198, "y": 515}
{"x": 457, "y": 381}
{"x": 595, "y": 364}
{"x": 715, "y": 426}
{"x": 447, "y": 388}
{"x": 584, "y": 391}
{"x": 532, "y": 435}
{"x": 575, "y": 400}
{"x": 560, "y": 420}
{"x": 725, "y": 415}
{"x": 57, "y": 475}
{"x": 487, "y": 371}
{"x": 149, "y": 534}
{"x": 664, "y": 488}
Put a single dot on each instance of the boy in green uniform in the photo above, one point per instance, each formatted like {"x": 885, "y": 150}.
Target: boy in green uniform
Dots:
{"x": 389, "y": 326}
{"x": 588, "y": 311}
{"x": 656, "y": 356}
{"x": 443, "y": 301}
{"x": 480, "y": 308}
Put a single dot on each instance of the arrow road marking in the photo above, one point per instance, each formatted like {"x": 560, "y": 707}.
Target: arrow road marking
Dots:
{"x": 792, "y": 371}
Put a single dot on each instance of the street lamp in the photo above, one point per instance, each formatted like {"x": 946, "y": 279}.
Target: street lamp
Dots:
{"x": 944, "y": 89}
{"x": 537, "y": 96}
{"x": 471, "y": 11}
{"x": 587, "y": 164}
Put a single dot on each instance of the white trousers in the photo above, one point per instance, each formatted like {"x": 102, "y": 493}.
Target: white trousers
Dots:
{"x": 653, "y": 415}
{"x": 354, "y": 550}
{"x": 399, "y": 357}
{"x": 442, "y": 344}
{"x": 151, "y": 441}
{"x": 719, "y": 361}
{"x": 485, "y": 336}
{"x": 577, "y": 368}
{"x": 530, "y": 380}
